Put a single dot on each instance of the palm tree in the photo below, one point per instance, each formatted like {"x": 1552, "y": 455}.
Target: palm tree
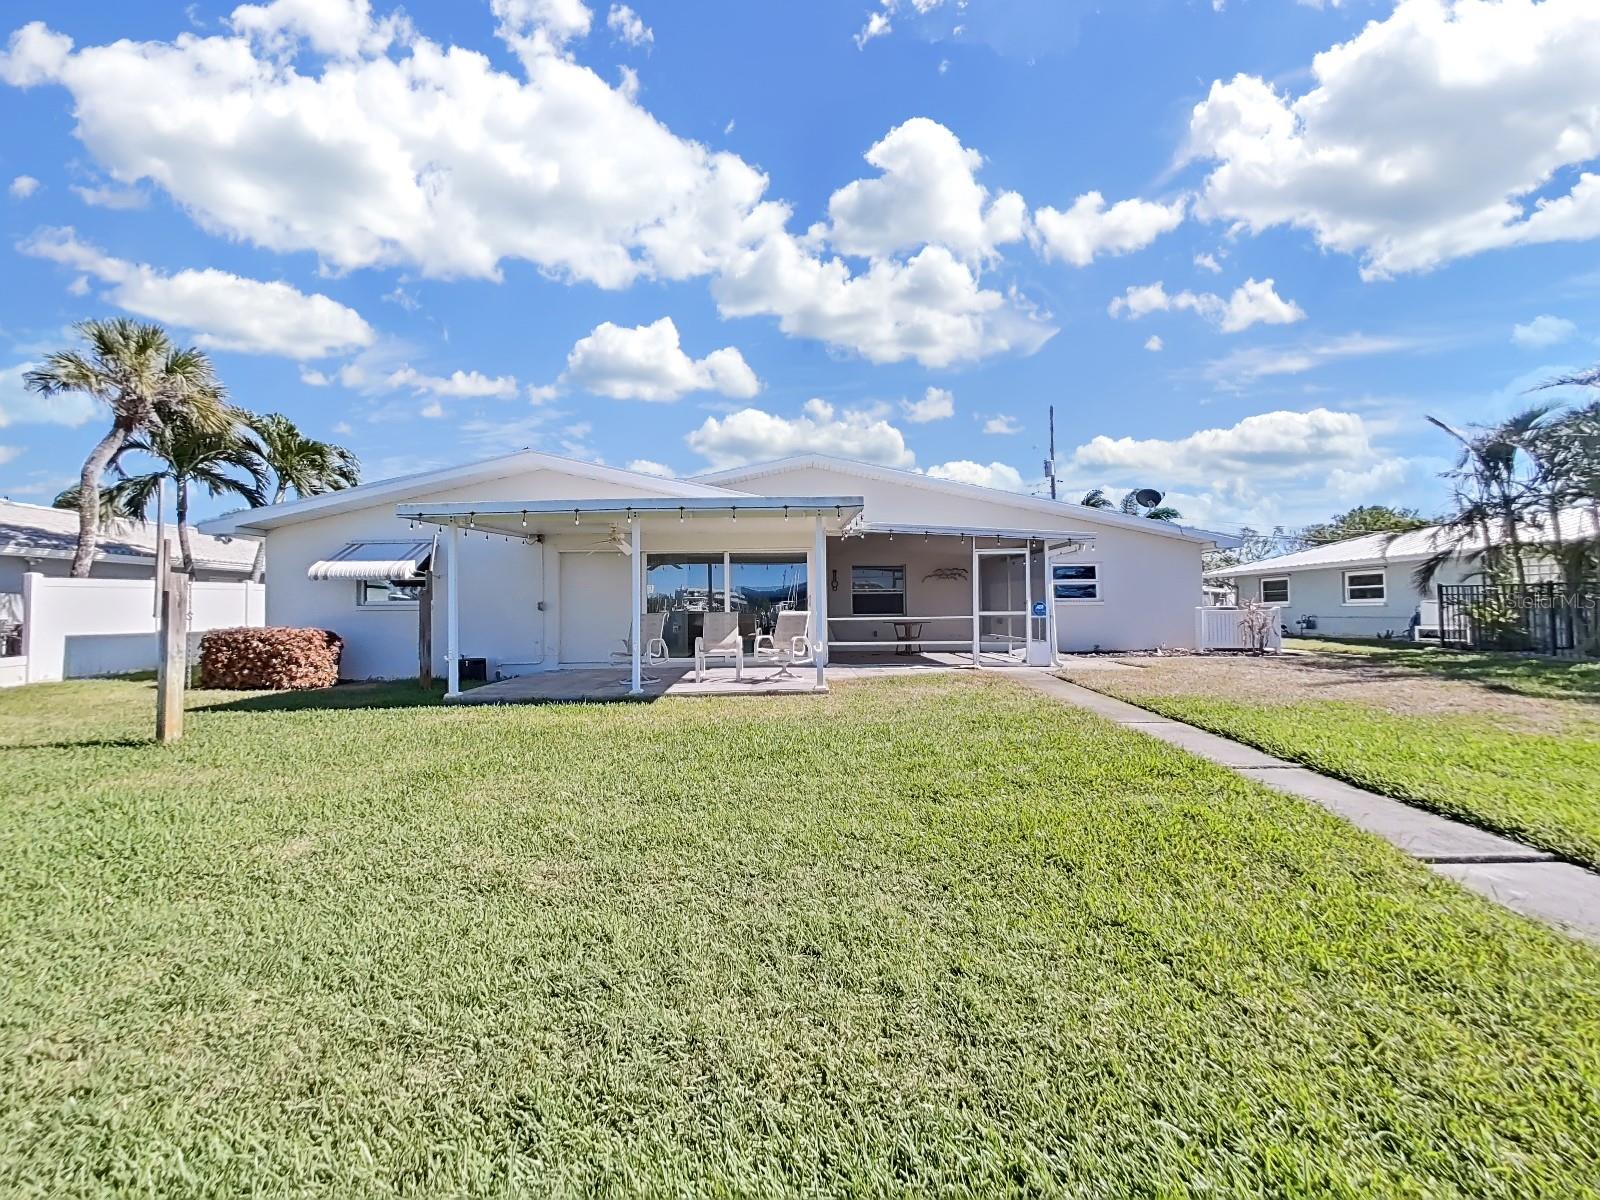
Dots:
{"x": 190, "y": 456}
{"x": 1490, "y": 489}
{"x": 300, "y": 464}
{"x": 1155, "y": 512}
{"x": 1096, "y": 498}
{"x": 136, "y": 371}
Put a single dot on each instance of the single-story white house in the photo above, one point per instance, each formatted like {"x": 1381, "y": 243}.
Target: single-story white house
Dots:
{"x": 1364, "y": 586}
{"x": 547, "y": 563}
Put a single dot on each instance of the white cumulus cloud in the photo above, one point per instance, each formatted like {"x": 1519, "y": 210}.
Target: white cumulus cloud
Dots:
{"x": 315, "y": 126}
{"x": 648, "y": 466}
{"x": 930, "y": 308}
{"x": 1089, "y": 229}
{"x": 1448, "y": 128}
{"x": 22, "y": 187}
{"x": 754, "y": 435}
{"x": 458, "y": 385}
{"x": 626, "y": 25}
{"x": 1543, "y": 331}
{"x": 1282, "y": 445}
{"x": 1253, "y": 302}
{"x": 226, "y": 312}
{"x": 994, "y": 475}
{"x": 648, "y": 363}
{"x": 936, "y": 404}
{"x": 927, "y": 193}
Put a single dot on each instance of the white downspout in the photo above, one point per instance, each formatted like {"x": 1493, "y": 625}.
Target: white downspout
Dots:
{"x": 452, "y": 613}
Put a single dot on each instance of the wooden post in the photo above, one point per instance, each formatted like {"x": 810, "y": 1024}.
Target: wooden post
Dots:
{"x": 173, "y": 643}
{"x": 425, "y": 634}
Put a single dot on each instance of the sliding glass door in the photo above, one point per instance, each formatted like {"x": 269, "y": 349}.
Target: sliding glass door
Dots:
{"x": 756, "y": 586}
{"x": 763, "y": 586}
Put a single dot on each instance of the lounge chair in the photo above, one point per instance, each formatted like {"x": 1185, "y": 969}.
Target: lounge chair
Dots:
{"x": 652, "y": 627}
{"x": 789, "y": 643}
{"x": 720, "y": 639}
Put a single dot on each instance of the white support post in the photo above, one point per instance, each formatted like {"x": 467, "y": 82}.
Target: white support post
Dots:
{"x": 727, "y": 581}
{"x": 819, "y": 594}
{"x": 819, "y": 606}
{"x": 635, "y": 620}
{"x": 452, "y": 613}
{"x": 1027, "y": 621}
{"x": 1050, "y": 608}
{"x": 976, "y": 604}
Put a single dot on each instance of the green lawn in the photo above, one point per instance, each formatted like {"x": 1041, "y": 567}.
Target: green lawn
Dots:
{"x": 1524, "y": 675}
{"x": 926, "y": 935}
{"x": 1530, "y": 769}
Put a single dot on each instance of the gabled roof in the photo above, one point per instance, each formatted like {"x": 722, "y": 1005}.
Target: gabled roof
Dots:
{"x": 1380, "y": 549}
{"x": 741, "y": 476}
{"x": 34, "y": 531}
{"x": 401, "y": 487}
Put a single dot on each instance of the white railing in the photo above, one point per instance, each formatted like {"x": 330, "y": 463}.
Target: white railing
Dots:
{"x": 1217, "y": 628}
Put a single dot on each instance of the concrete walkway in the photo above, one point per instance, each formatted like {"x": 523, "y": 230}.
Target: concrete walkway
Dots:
{"x": 1523, "y": 879}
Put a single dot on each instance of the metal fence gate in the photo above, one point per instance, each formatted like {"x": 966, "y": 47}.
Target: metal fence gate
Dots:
{"x": 1542, "y": 618}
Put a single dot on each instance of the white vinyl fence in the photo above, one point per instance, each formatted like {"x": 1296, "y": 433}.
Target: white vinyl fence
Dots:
{"x": 1218, "y": 628}
{"x": 73, "y": 628}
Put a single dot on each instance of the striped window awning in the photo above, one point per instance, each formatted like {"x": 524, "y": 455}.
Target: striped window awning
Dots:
{"x": 374, "y": 561}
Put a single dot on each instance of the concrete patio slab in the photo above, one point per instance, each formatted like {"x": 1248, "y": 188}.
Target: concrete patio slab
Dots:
{"x": 1523, "y": 879}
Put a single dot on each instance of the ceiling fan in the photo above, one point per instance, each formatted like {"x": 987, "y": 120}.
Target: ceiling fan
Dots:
{"x": 617, "y": 539}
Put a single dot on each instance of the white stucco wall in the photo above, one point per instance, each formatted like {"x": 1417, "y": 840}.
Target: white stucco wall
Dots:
{"x": 1150, "y": 583}
{"x": 77, "y": 628}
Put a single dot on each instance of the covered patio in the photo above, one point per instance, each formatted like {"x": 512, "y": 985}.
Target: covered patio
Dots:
{"x": 625, "y": 590}
{"x": 603, "y": 554}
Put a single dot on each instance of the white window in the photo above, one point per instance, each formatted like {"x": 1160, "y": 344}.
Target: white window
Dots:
{"x": 387, "y": 593}
{"x": 1275, "y": 590}
{"x": 878, "y": 591}
{"x": 1075, "y": 583}
{"x": 1364, "y": 587}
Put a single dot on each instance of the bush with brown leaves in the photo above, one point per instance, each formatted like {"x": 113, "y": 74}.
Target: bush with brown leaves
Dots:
{"x": 269, "y": 659}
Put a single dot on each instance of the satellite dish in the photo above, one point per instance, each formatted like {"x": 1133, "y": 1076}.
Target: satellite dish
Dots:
{"x": 1148, "y": 497}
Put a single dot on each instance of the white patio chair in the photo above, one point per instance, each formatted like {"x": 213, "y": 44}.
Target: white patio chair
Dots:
{"x": 721, "y": 640}
{"x": 788, "y": 643}
{"x": 652, "y": 628}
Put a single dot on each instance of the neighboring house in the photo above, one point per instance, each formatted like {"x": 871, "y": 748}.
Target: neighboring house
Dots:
{"x": 36, "y": 538}
{"x": 1364, "y": 587}
{"x": 882, "y": 559}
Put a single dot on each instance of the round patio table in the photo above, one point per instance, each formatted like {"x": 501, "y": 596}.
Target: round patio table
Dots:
{"x": 905, "y": 635}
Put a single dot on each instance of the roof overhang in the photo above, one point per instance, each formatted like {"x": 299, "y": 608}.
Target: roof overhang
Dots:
{"x": 1050, "y": 536}
{"x": 530, "y": 518}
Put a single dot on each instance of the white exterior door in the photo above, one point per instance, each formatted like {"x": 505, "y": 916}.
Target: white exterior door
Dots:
{"x": 594, "y": 606}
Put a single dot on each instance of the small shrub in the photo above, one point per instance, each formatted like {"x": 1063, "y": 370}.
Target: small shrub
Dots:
{"x": 269, "y": 659}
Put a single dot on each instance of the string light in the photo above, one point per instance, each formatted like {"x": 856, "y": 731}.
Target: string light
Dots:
{"x": 785, "y": 512}
{"x": 574, "y": 516}
{"x": 680, "y": 514}
{"x": 524, "y": 518}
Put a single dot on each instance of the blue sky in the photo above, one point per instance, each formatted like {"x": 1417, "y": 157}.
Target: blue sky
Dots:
{"x": 1242, "y": 247}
